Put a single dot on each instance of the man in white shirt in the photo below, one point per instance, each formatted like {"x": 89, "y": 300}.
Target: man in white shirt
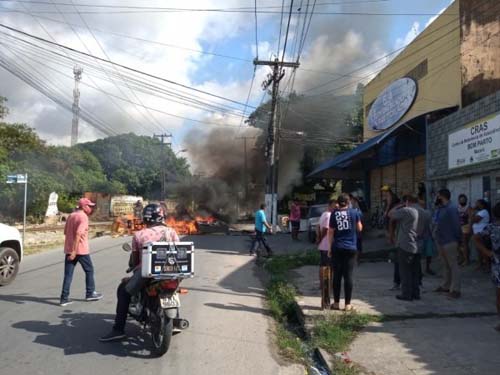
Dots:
{"x": 325, "y": 270}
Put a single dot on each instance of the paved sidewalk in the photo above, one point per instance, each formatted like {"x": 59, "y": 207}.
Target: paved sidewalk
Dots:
{"x": 435, "y": 335}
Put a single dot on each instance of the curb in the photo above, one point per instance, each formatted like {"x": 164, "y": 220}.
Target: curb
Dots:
{"x": 322, "y": 355}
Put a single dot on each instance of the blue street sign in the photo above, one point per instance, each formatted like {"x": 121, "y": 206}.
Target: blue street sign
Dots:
{"x": 12, "y": 179}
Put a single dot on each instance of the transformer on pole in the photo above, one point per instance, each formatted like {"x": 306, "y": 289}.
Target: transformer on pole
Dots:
{"x": 77, "y": 71}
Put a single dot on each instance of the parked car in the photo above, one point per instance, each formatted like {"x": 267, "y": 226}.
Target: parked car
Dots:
{"x": 313, "y": 215}
{"x": 11, "y": 253}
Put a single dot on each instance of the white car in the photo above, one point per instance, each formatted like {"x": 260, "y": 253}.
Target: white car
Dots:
{"x": 313, "y": 215}
{"x": 11, "y": 253}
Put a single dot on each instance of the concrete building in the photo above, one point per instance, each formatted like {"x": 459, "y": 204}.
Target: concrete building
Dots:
{"x": 452, "y": 64}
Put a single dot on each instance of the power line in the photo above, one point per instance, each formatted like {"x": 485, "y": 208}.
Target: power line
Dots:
{"x": 35, "y": 81}
{"x": 390, "y": 54}
{"x": 52, "y": 38}
{"x": 248, "y": 99}
{"x": 86, "y": 5}
{"x": 139, "y": 39}
{"x": 150, "y": 108}
{"x": 121, "y": 66}
{"x": 168, "y": 45}
{"x": 281, "y": 25}
{"x": 303, "y": 40}
{"x": 269, "y": 12}
{"x": 256, "y": 35}
{"x": 154, "y": 121}
{"x": 88, "y": 50}
{"x": 287, "y": 30}
{"x": 147, "y": 87}
{"x": 120, "y": 98}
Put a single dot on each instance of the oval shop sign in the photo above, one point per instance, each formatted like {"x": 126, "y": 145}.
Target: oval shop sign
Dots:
{"x": 392, "y": 104}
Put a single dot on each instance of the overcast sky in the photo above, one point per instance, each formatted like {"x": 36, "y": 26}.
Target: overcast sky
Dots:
{"x": 335, "y": 44}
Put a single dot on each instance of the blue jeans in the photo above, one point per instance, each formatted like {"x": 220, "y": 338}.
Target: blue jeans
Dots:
{"x": 260, "y": 240}
{"x": 69, "y": 267}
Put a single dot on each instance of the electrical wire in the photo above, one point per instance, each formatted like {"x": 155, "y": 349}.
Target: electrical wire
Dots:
{"x": 121, "y": 66}
{"x": 154, "y": 121}
{"x": 50, "y": 36}
{"x": 384, "y": 57}
{"x": 287, "y": 32}
{"x": 256, "y": 34}
{"x": 268, "y": 12}
{"x": 35, "y": 81}
{"x": 186, "y": 100}
{"x": 86, "y": 5}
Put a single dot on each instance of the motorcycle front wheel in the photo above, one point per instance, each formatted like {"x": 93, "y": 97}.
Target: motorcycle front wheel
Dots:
{"x": 161, "y": 332}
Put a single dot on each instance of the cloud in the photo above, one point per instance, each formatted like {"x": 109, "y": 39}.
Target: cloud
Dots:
{"x": 336, "y": 44}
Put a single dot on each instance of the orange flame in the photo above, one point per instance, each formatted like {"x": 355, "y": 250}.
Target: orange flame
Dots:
{"x": 187, "y": 226}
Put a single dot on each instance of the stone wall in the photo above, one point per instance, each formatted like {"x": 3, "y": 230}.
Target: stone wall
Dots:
{"x": 479, "y": 48}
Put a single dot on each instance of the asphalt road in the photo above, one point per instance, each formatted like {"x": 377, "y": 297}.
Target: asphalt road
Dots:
{"x": 229, "y": 332}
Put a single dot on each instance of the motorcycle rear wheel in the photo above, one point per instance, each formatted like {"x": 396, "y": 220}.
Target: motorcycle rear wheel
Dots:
{"x": 161, "y": 332}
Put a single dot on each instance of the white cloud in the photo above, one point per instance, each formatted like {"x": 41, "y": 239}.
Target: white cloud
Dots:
{"x": 410, "y": 35}
{"x": 186, "y": 29}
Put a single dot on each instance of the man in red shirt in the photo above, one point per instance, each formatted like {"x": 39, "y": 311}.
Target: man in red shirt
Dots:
{"x": 76, "y": 250}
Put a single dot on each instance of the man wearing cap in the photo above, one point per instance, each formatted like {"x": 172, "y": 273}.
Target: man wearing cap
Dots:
{"x": 76, "y": 250}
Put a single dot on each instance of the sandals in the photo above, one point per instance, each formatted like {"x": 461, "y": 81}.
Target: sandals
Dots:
{"x": 349, "y": 308}
{"x": 335, "y": 306}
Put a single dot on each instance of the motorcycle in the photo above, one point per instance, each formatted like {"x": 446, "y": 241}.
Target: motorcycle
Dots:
{"x": 156, "y": 306}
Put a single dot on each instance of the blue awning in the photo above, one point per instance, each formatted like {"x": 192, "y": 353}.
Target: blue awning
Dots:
{"x": 337, "y": 167}
{"x": 343, "y": 160}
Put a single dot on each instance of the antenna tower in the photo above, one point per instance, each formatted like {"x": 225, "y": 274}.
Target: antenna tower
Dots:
{"x": 77, "y": 71}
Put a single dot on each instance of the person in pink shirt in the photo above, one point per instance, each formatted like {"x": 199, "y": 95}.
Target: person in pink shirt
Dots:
{"x": 156, "y": 230}
{"x": 76, "y": 250}
{"x": 295, "y": 219}
{"x": 325, "y": 270}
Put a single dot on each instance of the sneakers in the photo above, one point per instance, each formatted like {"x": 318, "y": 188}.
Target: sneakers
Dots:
{"x": 95, "y": 296}
{"x": 403, "y": 298}
{"x": 454, "y": 295}
{"x": 395, "y": 287}
{"x": 114, "y": 335}
{"x": 65, "y": 302}
{"x": 441, "y": 290}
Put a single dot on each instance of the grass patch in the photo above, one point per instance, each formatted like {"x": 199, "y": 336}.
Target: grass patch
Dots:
{"x": 279, "y": 265}
{"x": 342, "y": 368}
{"x": 290, "y": 345}
{"x": 336, "y": 332}
{"x": 282, "y": 306}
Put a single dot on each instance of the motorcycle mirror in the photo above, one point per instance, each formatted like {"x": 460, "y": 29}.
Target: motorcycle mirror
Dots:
{"x": 126, "y": 247}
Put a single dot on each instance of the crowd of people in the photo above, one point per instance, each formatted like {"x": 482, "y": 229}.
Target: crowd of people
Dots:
{"x": 418, "y": 233}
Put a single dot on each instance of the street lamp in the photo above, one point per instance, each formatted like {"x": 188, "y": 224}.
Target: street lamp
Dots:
{"x": 21, "y": 179}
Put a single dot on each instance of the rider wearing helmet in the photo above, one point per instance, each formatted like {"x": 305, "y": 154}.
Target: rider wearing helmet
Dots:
{"x": 153, "y": 217}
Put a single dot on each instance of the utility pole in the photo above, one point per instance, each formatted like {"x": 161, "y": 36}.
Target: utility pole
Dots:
{"x": 162, "y": 138}
{"x": 77, "y": 72}
{"x": 272, "y": 180}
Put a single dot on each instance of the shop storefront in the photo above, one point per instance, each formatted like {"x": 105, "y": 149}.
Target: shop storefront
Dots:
{"x": 428, "y": 81}
{"x": 464, "y": 151}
